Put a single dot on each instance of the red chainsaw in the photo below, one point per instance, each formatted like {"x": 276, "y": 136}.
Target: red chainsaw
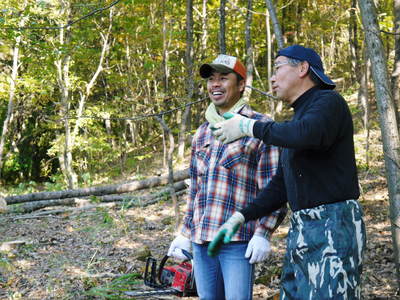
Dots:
{"x": 173, "y": 279}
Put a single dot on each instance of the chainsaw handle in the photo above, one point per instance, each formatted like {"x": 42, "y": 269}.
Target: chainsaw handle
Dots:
{"x": 165, "y": 258}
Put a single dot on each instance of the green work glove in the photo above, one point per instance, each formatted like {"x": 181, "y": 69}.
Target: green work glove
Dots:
{"x": 225, "y": 233}
{"x": 235, "y": 127}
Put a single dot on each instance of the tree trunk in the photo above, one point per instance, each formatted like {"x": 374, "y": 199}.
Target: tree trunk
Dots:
{"x": 190, "y": 80}
{"x": 248, "y": 48}
{"x": 396, "y": 62}
{"x": 269, "y": 62}
{"x": 99, "y": 190}
{"x": 275, "y": 23}
{"x": 170, "y": 169}
{"x": 204, "y": 32}
{"x": 353, "y": 44}
{"x": 84, "y": 95}
{"x": 388, "y": 121}
{"x": 62, "y": 66}
{"x": 129, "y": 199}
{"x": 221, "y": 32}
{"x": 363, "y": 99}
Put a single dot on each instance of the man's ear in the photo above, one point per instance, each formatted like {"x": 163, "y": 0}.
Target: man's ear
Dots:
{"x": 242, "y": 85}
{"x": 304, "y": 68}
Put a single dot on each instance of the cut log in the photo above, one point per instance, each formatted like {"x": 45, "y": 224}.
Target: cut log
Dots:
{"x": 100, "y": 190}
{"x": 129, "y": 199}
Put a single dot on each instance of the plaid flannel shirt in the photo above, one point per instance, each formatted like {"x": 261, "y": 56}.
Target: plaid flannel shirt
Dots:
{"x": 226, "y": 178}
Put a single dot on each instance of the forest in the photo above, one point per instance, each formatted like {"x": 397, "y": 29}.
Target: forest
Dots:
{"x": 98, "y": 104}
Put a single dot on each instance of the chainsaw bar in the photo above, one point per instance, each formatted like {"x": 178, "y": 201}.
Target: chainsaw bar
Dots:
{"x": 150, "y": 292}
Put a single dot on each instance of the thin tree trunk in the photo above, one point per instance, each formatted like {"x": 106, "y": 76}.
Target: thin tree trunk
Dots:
{"x": 269, "y": 61}
{"x": 363, "y": 99}
{"x": 171, "y": 170}
{"x": 396, "y": 62}
{"x": 62, "y": 67}
{"x": 275, "y": 23}
{"x": 105, "y": 47}
{"x": 353, "y": 44}
{"x": 388, "y": 120}
{"x": 221, "y": 32}
{"x": 249, "y": 48}
{"x": 189, "y": 57}
{"x": 204, "y": 32}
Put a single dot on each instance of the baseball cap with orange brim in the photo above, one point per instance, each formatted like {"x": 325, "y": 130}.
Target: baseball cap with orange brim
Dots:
{"x": 223, "y": 64}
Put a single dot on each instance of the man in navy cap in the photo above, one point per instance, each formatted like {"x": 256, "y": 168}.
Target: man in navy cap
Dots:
{"x": 316, "y": 175}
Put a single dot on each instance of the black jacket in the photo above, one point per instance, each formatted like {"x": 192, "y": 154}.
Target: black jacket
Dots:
{"x": 317, "y": 165}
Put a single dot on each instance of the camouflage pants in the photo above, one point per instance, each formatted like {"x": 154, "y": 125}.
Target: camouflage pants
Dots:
{"x": 324, "y": 254}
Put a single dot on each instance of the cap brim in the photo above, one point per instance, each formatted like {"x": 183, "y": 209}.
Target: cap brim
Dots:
{"x": 206, "y": 70}
{"x": 328, "y": 84}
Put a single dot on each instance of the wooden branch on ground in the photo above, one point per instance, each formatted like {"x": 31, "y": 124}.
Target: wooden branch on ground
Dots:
{"x": 129, "y": 199}
{"x": 53, "y": 212}
{"x": 100, "y": 190}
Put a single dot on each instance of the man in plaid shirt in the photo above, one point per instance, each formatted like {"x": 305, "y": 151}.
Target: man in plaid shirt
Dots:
{"x": 224, "y": 179}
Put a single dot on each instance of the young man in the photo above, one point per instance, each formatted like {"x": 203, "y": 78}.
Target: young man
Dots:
{"x": 225, "y": 179}
{"x": 317, "y": 176}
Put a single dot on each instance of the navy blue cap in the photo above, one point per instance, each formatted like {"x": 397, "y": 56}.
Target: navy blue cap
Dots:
{"x": 309, "y": 55}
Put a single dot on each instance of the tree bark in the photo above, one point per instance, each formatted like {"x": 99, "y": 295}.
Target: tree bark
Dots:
{"x": 275, "y": 23}
{"x": 100, "y": 190}
{"x": 249, "y": 48}
{"x": 269, "y": 61}
{"x": 221, "y": 32}
{"x": 190, "y": 80}
{"x": 396, "y": 62}
{"x": 63, "y": 80}
{"x": 388, "y": 121}
{"x": 171, "y": 170}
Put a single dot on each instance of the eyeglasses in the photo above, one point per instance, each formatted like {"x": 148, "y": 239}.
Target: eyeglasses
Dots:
{"x": 277, "y": 66}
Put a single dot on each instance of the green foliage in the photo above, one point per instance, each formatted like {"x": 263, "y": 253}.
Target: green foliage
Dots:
{"x": 130, "y": 83}
{"x": 114, "y": 290}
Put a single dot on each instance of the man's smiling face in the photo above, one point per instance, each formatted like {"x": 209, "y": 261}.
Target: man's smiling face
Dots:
{"x": 224, "y": 90}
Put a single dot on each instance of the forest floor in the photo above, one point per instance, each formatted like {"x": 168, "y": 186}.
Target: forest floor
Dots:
{"x": 64, "y": 256}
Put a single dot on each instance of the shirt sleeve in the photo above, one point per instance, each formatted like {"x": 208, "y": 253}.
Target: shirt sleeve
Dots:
{"x": 316, "y": 129}
{"x": 268, "y": 162}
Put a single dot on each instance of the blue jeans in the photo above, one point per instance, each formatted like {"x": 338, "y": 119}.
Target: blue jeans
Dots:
{"x": 324, "y": 254}
{"x": 229, "y": 275}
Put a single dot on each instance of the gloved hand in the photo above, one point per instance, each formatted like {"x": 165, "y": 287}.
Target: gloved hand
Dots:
{"x": 235, "y": 127}
{"x": 225, "y": 233}
{"x": 179, "y": 243}
{"x": 258, "y": 249}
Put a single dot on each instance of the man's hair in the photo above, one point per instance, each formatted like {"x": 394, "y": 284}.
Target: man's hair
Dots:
{"x": 314, "y": 78}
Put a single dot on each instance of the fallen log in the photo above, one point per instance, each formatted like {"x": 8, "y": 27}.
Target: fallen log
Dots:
{"x": 129, "y": 199}
{"x": 46, "y": 213}
{"x": 99, "y": 190}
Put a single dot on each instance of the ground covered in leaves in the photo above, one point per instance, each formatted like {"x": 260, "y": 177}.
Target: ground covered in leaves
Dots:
{"x": 64, "y": 256}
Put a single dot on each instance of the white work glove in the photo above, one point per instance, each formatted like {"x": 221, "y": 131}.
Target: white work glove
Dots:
{"x": 179, "y": 243}
{"x": 225, "y": 233}
{"x": 235, "y": 127}
{"x": 258, "y": 249}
